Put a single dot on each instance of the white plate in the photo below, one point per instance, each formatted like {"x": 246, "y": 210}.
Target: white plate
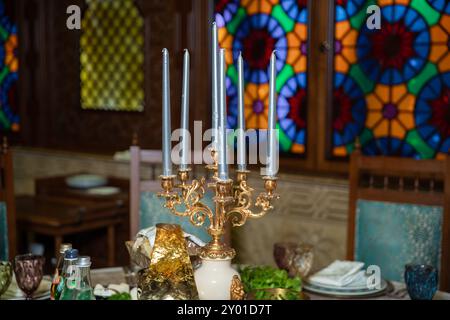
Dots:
{"x": 42, "y": 293}
{"x": 347, "y": 291}
{"x": 42, "y": 296}
{"x": 103, "y": 191}
{"x": 352, "y": 286}
{"x": 86, "y": 181}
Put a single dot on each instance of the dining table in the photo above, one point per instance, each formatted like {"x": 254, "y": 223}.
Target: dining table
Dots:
{"x": 397, "y": 291}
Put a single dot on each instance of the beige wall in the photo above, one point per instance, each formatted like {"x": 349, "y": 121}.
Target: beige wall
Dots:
{"x": 311, "y": 209}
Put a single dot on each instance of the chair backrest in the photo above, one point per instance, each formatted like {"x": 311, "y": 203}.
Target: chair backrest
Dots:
{"x": 137, "y": 186}
{"x": 7, "y": 196}
{"x": 143, "y": 198}
{"x": 401, "y": 186}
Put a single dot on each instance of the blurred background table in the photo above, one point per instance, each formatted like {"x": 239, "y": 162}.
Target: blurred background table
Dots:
{"x": 57, "y": 187}
{"x": 66, "y": 214}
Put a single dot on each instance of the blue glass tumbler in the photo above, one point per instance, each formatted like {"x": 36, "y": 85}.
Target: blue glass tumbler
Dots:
{"x": 421, "y": 281}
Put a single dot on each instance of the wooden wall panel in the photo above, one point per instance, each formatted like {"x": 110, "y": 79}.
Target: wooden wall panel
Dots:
{"x": 50, "y": 85}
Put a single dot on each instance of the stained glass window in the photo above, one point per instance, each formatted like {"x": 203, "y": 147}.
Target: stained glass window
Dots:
{"x": 112, "y": 56}
{"x": 256, "y": 28}
{"x": 9, "y": 65}
{"x": 392, "y": 85}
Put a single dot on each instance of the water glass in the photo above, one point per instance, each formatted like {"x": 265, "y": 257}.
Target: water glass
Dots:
{"x": 29, "y": 270}
{"x": 421, "y": 281}
{"x": 296, "y": 258}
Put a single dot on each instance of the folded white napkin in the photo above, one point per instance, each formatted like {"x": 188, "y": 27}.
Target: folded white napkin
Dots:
{"x": 339, "y": 274}
{"x": 112, "y": 289}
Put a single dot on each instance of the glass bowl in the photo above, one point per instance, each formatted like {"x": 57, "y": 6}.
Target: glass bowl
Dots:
{"x": 5, "y": 276}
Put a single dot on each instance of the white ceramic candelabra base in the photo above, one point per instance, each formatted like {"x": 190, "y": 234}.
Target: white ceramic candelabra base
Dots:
{"x": 213, "y": 279}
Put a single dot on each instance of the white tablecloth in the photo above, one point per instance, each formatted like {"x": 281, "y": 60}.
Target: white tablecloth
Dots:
{"x": 116, "y": 276}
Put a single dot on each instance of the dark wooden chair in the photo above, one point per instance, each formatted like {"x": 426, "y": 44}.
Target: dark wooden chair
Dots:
{"x": 395, "y": 198}
{"x": 139, "y": 157}
{"x": 7, "y": 196}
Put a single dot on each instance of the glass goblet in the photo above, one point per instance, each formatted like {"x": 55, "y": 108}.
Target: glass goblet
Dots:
{"x": 29, "y": 270}
{"x": 421, "y": 281}
{"x": 295, "y": 258}
{"x": 5, "y": 276}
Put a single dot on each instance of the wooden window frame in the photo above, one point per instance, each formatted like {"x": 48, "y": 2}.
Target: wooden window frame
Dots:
{"x": 320, "y": 79}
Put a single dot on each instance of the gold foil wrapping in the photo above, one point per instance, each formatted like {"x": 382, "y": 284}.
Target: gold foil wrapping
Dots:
{"x": 170, "y": 274}
{"x": 140, "y": 250}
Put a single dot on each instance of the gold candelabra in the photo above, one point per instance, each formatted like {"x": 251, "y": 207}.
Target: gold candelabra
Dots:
{"x": 233, "y": 202}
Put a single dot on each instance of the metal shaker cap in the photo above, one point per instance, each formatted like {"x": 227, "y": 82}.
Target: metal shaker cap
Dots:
{"x": 71, "y": 254}
{"x": 84, "y": 261}
{"x": 64, "y": 247}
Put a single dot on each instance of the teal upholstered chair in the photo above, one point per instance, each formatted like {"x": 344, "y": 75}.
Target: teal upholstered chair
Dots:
{"x": 7, "y": 205}
{"x": 146, "y": 209}
{"x": 399, "y": 214}
{"x": 152, "y": 212}
{"x": 4, "y": 250}
{"x": 391, "y": 235}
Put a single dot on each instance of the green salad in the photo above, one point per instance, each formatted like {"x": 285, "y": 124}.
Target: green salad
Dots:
{"x": 120, "y": 296}
{"x": 264, "y": 277}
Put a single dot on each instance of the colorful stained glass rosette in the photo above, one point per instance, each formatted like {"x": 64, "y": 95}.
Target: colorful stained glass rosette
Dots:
{"x": 256, "y": 28}
{"x": 392, "y": 85}
{"x": 9, "y": 65}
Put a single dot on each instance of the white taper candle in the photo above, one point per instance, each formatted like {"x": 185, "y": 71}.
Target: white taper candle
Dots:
{"x": 241, "y": 117}
{"x": 166, "y": 129}
{"x": 215, "y": 83}
{"x": 272, "y": 157}
{"x": 223, "y": 166}
{"x": 184, "y": 164}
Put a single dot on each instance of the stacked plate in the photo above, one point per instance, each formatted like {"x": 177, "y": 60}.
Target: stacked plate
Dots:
{"x": 103, "y": 191}
{"x": 92, "y": 184}
{"x": 350, "y": 291}
{"x": 344, "y": 279}
{"x": 86, "y": 181}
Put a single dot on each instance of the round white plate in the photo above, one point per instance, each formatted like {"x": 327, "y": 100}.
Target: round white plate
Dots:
{"x": 351, "y": 286}
{"x": 345, "y": 291}
{"x": 103, "y": 191}
{"x": 42, "y": 296}
{"x": 86, "y": 181}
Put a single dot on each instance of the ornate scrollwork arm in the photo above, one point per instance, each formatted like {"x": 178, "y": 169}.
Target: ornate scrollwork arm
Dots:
{"x": 191, "y": 197}
{"x": 264, "y": 200}
{"x": 197, "y": 211}
{"x": 194, "y": 192}
{"x": 238, "y": 214}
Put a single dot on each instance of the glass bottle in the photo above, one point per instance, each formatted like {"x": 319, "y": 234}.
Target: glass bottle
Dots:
{"x": 54, "y": 293}
{"x": 69, "y": 277}
{"x": 84, "y": 289}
